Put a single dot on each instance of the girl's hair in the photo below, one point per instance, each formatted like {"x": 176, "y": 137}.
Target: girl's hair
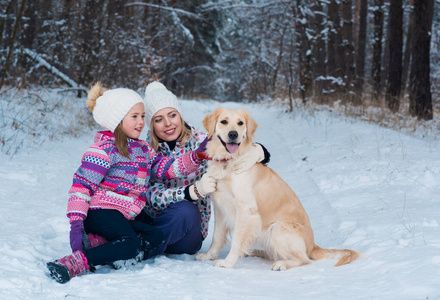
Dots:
{"x": 183, "y": 137}
{"x": 121, "y": 141}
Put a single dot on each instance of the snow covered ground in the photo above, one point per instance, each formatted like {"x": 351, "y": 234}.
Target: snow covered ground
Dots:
{"x": 364, "y": 187}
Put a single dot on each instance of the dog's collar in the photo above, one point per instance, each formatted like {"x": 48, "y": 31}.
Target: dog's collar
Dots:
{"x": 204, "y": 155}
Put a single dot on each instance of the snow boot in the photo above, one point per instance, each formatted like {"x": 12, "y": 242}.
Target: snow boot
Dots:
{"x": 119, "y": 264}
{"x": 92, "y": 240}
{"x": 63, "y": 269}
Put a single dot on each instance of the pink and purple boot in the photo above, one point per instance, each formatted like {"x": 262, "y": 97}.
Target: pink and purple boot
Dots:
{"x": 63, "y": 269}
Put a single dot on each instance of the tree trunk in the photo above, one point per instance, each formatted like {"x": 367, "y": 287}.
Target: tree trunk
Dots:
{"x": 90, "y": 41}
{"x": 377, "y": 48}
{"x": 335, "y": 53}
{"x": 347, "y": 44}
{"x": 420, "y": 100}
{"x": 331, "y": 49}
{"x": 12, "y": 42}
{"x": 279, "y": 59}
{"x": 407, "y": 53}
{"x": 395, "y": 44}
{"x": 360, "y": 55}
{"x": 3, "y": 23}
{"x": 304, "y": 57}
{"x": 116, "y": 13}
{"x": 29, "y": 32}
{"x": 319, "y": 50}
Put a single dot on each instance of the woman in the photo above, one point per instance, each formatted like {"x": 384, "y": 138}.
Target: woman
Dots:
{"x": 181, "y": 208}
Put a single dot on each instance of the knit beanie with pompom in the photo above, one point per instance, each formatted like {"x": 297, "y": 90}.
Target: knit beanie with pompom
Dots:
{"x": 156, "y": 98}
{"x": 109, "y": 107}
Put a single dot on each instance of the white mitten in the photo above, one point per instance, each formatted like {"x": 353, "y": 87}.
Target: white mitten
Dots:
{"x": 254, "y": 155}
{"x": 204, "y": 186}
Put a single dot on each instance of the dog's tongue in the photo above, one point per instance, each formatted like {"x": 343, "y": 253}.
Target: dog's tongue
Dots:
{"x": 232, "y": 148}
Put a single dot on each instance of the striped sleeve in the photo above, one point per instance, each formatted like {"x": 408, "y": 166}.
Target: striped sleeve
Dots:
{"x": 169, "y": 168}
{"x": 94, "y": 165}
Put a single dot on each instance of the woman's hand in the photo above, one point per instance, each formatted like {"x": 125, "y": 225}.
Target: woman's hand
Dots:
{"x": 204, "y": 186}
{"x": 254, "y": 155}
{"x": 201, "y": 148}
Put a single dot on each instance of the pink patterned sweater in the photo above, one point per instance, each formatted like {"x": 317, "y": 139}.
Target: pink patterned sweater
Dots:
{"x": 108, "y": 180}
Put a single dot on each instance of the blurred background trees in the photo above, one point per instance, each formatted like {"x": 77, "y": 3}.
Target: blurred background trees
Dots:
{"x": 381, "y": 53}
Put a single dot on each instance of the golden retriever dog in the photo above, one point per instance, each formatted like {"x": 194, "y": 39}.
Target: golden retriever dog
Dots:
{"x": 256, "y": 206}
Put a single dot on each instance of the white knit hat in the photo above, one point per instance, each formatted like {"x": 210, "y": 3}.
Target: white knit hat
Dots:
{"x": 156, "y": 98}
{"x": 113, "y": 105}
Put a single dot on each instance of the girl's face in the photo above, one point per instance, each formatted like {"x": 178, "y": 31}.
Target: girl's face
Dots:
{"x": 167, "y": 124}
{"x": 133, "y": 122}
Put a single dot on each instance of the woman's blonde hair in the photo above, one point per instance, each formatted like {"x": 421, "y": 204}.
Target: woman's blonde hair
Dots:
{"x": 184, "y": 136}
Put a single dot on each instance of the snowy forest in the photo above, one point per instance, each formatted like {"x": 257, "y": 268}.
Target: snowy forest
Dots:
{"x": 368, "y": 53}
{"x": 346, "y": 94}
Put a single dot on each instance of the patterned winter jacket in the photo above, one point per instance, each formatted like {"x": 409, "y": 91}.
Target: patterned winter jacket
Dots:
{"x": 163, "y": 193}
{"x": 108, "y": 180}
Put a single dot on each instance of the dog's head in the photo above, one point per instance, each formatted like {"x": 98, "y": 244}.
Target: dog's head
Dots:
{"x": 231, "y": 132}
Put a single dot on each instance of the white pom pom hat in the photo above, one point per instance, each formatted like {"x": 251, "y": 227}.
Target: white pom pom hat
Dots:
{"x": 113, "y": 105}
{"x": 157, "y": 97}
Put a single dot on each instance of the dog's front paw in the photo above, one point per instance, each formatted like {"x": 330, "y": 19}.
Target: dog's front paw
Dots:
{"x": 279, "y": 266}
{"x": 223, "y": 263}
{"x": 204, "y": 256}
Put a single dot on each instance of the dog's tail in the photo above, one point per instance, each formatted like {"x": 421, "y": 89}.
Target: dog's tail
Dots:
{"x": 345, "y": 256}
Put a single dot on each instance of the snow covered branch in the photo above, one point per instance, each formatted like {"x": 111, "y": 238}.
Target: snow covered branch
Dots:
{"x": 175, "y": 10}
{"x": 42, "y": 62}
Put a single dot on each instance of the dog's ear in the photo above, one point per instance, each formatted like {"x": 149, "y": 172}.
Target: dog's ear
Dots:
{"x": 210, "y": 120}
{"x": 251, "y": 125}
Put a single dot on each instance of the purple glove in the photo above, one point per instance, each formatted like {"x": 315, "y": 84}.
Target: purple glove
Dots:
{"x": 202, "y": 147}
{"x": 76, "y": 235}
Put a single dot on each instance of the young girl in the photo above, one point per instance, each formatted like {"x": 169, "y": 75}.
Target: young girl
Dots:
{"x": 181, "y": 208}
{"x": 109, "y": 187}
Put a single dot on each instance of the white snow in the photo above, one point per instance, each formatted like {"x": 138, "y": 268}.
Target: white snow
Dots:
{"x": 364, "y": 187}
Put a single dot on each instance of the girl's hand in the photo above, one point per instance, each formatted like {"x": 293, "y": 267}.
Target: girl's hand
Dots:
{"x": 76, "y": 235}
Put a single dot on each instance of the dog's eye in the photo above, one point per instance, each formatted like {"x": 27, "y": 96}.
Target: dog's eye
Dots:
{"x": 240, "y": 123}
{"x": 224, "y": 122}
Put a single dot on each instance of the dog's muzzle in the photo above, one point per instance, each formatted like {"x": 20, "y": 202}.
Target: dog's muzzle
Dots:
{"x": 232, "y": 145}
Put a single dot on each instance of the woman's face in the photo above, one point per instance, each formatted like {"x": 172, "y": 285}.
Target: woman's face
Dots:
{"x": 167, "y": 124}
{"x": 133, "y": 122}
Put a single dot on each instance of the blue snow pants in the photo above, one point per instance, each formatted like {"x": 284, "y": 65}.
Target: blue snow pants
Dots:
{"x": 181, "y": 225}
